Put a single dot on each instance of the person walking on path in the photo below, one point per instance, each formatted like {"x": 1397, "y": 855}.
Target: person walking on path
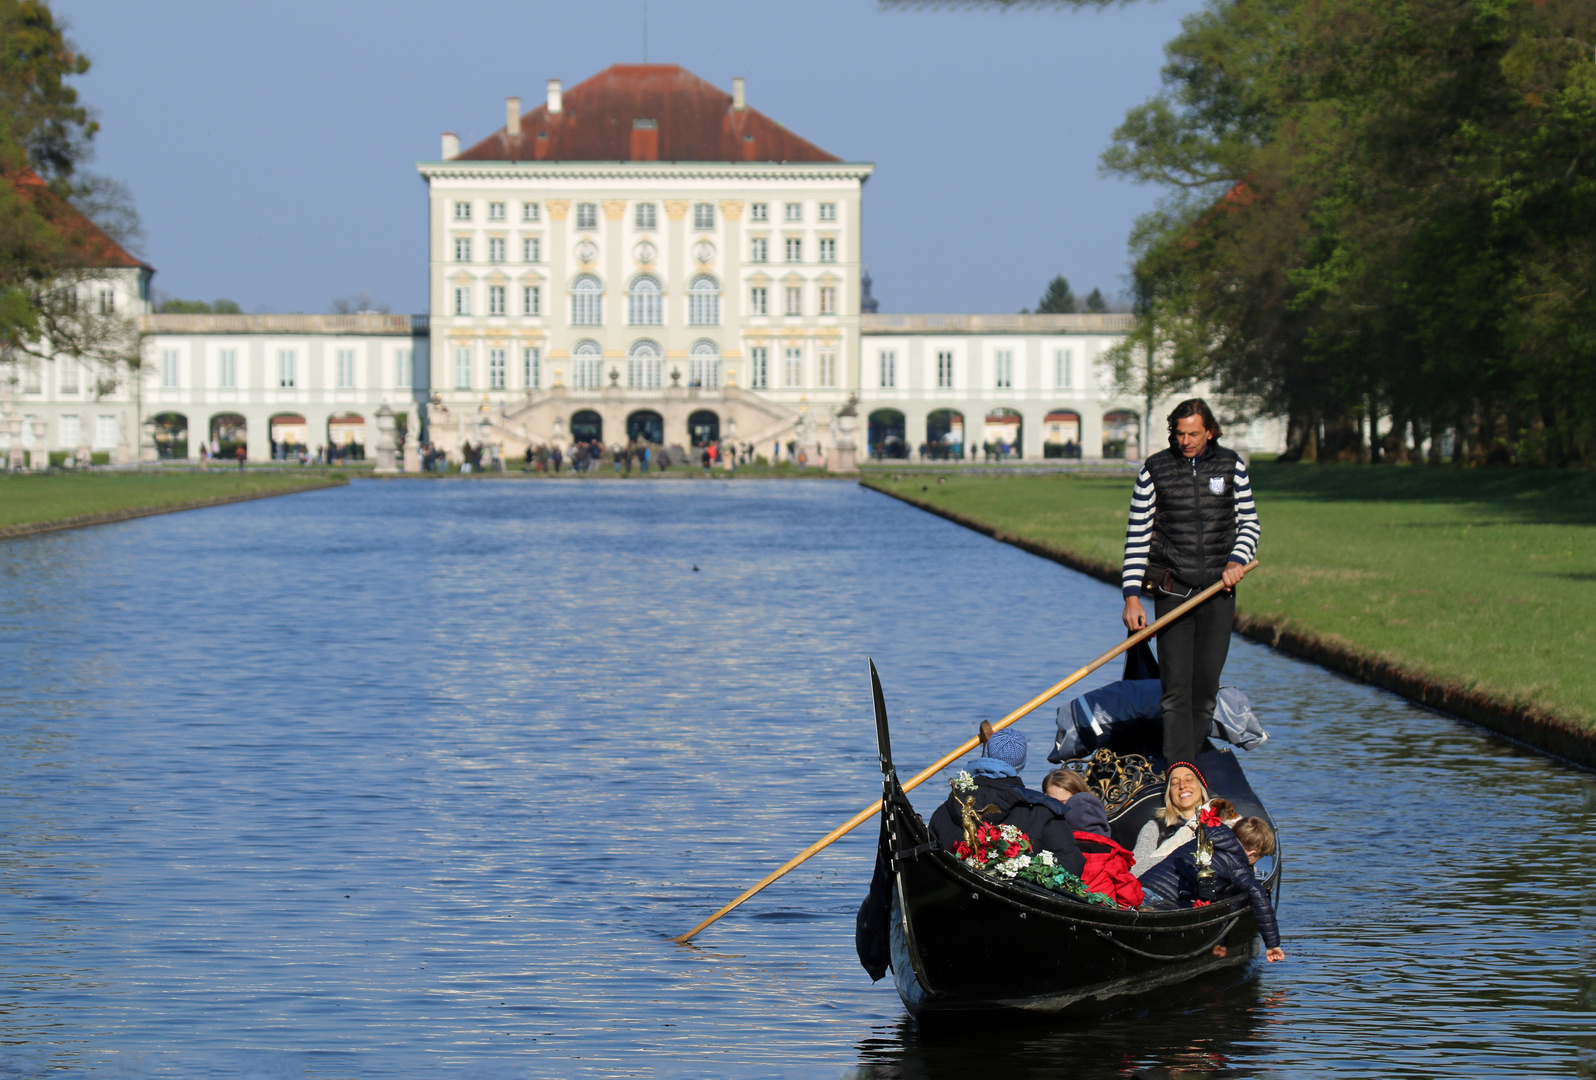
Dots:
{"x": 1192, "y": 523}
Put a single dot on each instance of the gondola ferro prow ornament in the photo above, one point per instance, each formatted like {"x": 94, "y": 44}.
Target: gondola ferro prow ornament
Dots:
{"x": 1207, "y": 880}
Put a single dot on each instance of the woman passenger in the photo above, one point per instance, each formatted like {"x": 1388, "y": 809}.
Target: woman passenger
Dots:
{"x": 1175, "y": 822}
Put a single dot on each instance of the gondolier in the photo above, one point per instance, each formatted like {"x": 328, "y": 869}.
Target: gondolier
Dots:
{"x": 1192, "y": 523}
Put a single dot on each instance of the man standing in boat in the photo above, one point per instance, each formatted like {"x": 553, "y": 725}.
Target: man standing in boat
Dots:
{"x": 1192, "y": 523}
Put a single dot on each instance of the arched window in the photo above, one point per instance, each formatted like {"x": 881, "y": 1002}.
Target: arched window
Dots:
{"x": 645, "y": 302}
{"x": 587, "y": 301}
{"x": 645, "y": 365}
{"x": 703, "y": 301}
{"x": 705, "y": 361}
{"x": 588, "y": 360}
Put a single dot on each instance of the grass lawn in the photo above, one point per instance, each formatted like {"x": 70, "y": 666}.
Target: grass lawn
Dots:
{"x": 1484, "y": 579}
{"x": 30, "y": 498}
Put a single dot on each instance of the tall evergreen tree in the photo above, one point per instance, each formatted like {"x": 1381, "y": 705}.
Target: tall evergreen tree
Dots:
{"x": 1058, "y": 299}
{"x": 1095, "y": 301}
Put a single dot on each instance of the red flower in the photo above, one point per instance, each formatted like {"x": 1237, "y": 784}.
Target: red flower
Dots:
{"x": 961, "y": 849}
{"x": 1209, "y": 818}
{"x": 1013, "y": 850}
{"x": 1201, "y": 903}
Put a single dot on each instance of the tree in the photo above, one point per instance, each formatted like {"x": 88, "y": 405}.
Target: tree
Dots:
{"x": 1095, "y": 301}
{"x": 358, "y": 303}
{"x": 1377, "y": 213}
{"x": 172, "y": 305}
{"x": 1058, "y": 299}
{"x": 54, "y": 260}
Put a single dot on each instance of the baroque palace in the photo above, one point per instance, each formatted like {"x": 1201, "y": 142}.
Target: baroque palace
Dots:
{"x": 643, "y": 255}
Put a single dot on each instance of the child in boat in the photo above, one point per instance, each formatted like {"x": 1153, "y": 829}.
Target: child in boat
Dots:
{"x": 1083, "y": 811}
{"x": 1173, "y": 882}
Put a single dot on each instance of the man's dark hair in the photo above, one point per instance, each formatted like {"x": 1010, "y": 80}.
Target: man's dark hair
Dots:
{"x": 1193, "y": 407}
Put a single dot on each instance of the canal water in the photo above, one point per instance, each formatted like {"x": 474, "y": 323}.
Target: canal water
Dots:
{"x": 417, "y": 779}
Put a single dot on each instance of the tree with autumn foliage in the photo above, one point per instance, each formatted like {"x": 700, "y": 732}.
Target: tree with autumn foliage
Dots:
{"x": 1379, "y": 222}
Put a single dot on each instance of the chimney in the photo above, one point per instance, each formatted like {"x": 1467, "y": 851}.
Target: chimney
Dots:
{"x": 451, "y": 146}
{"x": 512, "y": 116}
{"x": 556, "y": 106}
{"x": 739, "y": 97}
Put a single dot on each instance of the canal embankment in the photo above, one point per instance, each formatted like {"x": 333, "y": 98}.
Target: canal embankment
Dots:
{"x": 1465, "y": 591}
{"x": 48, "y": 502}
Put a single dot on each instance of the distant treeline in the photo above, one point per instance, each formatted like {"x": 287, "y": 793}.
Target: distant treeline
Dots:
{"x": 1381, "y": 223}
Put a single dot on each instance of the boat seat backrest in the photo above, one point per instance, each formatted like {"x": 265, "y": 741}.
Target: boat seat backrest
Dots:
{"x": 1125, "y": 825}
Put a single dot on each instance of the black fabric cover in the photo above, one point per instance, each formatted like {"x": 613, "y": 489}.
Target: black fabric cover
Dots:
{"x": 872, "y": 938}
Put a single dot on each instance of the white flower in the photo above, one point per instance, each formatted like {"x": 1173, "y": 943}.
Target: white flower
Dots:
{"x": 1046, "y": 858}
{"x": 964, "y": 781}
{"x": 1010, "y": 833}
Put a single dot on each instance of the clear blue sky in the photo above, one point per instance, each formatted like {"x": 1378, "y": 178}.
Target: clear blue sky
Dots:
{"x": 270, "y": 147}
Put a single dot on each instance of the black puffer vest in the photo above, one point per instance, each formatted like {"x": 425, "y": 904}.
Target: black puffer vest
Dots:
{"x": 1194, "y": 526}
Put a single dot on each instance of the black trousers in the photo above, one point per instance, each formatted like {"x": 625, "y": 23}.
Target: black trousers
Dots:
{"x": 1191, "y": 656}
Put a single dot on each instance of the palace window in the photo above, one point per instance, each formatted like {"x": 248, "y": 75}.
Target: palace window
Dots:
{"x": 32, "y": 378}
{"x": 462, "y": 299}
{"x": 495, "y": 299}
{"x": 703, "y": 215}
{"x": 404, "y": 373}
{"x": 889, "y": 368}
{"x": 759, "y": 250}
{"x": 704, "y": 364}
{"x": 495, "y": 369}
{"x": 645, "y": 366}
{"x": 69, "y": 375}
{"x": 828, "y": 299}
{"x": 70, "y": 430}
{"x": 588, "y": 361}
{"x": 107, "y": 301}
{"x": 531, "y": 300}
{"x": 828, "y": 211}
{"x": 531, "y": 212}
{"x": 287, "y": 362}
{"x": 346, "y": 369}
{"x": 795, "y": 249}
{"x": 703, "y": 301}
{"x": 496, "y": 249}
{"x": 945, "y": 370}
{"x": 587, "y": 302}
{"x": 495, "y": 211}
{"x": 586, "y": 215}
{"x": 759, "y": 300}
{"x": 827, "y": 375}
{"x": 1003, "y": 368}
{"x": 1063, "y": 369}
{"x": 227, "y": 369}
{"x": 531, "y": 249}
{"x": 462, "y": 249}
{"x": 462, "y": 368}
{"x": 828, "y": 249}
{"x": 645, "y": 302}
{"x": 795, "y": 367}
{"x": 531, "y": 367}
{"x": 169, "y": 368}
{"x": 462, "y": 211}
{"x": 795, "y": 300}
{"x": 646, "y": 216}
{"x": 758, "y": 211}
{"x": 106, "y": 430}
{"x": 759, "y": 363}
{"x": 795, "y": 211}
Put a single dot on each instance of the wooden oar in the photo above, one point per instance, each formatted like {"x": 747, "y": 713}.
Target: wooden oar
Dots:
{"x": 963, "y": 748}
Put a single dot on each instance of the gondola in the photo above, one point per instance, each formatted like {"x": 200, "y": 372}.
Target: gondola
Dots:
{"x": 962, "y": 940}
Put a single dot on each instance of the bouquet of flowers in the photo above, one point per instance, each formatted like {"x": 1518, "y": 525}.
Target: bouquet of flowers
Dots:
{"x": 1005, "y": 851}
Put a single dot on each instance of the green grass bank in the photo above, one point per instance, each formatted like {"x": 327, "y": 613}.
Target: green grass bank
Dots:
{"x": 34, "y": 503}
{"x": 1469, "y": 591}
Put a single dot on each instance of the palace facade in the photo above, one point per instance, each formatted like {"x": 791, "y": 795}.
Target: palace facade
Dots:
{"x": 641, "y": 256}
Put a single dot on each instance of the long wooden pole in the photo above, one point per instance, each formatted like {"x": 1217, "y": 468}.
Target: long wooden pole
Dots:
{"x": 963, "y": 748}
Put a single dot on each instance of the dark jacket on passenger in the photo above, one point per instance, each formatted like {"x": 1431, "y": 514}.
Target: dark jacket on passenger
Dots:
{"x": 1036, "y": 815}
{"x": 1175, "y": 878}
{"x": 1085, "y": 813}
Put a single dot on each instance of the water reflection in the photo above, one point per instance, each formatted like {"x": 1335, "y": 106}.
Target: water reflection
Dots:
{"x": 419, "y": 778}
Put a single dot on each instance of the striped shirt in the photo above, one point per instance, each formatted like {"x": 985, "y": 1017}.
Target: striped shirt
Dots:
{"x": 1139, "y": 531}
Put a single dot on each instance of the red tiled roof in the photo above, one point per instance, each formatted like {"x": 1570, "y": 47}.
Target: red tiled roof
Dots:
{"x": 695, "y": 122}
{"x": 95, "y": 248}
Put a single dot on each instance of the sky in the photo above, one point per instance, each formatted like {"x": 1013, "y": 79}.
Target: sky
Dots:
{"x": 271, "y": 148}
